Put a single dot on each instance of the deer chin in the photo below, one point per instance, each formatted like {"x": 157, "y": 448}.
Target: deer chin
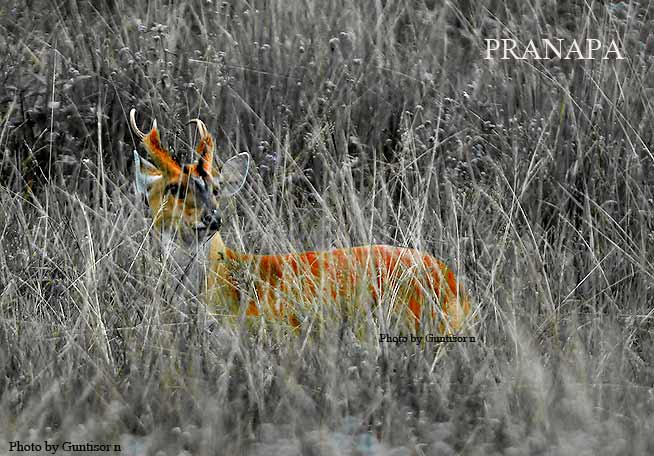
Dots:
{"x": 203, "y": 231}
{"x": 189, "y": 237}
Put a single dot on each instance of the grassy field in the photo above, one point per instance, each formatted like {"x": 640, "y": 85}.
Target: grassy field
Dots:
{"x": 372, "y": 121}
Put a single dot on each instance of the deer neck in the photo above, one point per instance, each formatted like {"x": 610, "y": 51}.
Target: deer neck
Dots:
{"x": 217, "y": 250}
{"x": 188, "y": 262}
{"x": 218, "y": 255}
{"x": 221, "y": 283}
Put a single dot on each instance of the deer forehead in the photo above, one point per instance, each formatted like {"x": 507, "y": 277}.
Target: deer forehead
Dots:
{"x": 193, "y": 176}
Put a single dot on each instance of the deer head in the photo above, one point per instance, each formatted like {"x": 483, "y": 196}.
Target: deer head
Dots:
{"x": 184, "y": 198}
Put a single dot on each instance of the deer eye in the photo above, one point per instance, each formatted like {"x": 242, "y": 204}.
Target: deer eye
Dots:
{"x": 215, "y": 191}
{"x": 173, "y": 189}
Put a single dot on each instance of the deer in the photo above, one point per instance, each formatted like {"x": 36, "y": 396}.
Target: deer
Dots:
{"x": 184, "y": 200}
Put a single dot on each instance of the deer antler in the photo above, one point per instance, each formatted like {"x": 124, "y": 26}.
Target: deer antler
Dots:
{"x": 132, "y": 123}
{"x": 202, "y": 128}
{"x": 152, "y": 143}
{"x": 205, "y": 148}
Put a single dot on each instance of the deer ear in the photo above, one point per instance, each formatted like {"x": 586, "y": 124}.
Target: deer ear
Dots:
{"x": 146, "y": 174}
{"x": 232, "y": 175}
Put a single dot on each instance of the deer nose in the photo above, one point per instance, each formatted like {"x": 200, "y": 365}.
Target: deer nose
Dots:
{"x": 212, "y": 219}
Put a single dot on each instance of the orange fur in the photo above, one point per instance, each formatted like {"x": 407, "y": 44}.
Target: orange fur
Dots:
{"x": 161, "y": 156}
{"x": 417, "y": 285}
{"x": 409, "y": 279}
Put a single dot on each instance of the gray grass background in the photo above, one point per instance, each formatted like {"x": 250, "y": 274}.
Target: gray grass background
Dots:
{"x": 370, "y": 121}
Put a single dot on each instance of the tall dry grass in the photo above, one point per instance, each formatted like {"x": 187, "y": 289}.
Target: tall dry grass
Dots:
{"x": 367, "y": 122}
